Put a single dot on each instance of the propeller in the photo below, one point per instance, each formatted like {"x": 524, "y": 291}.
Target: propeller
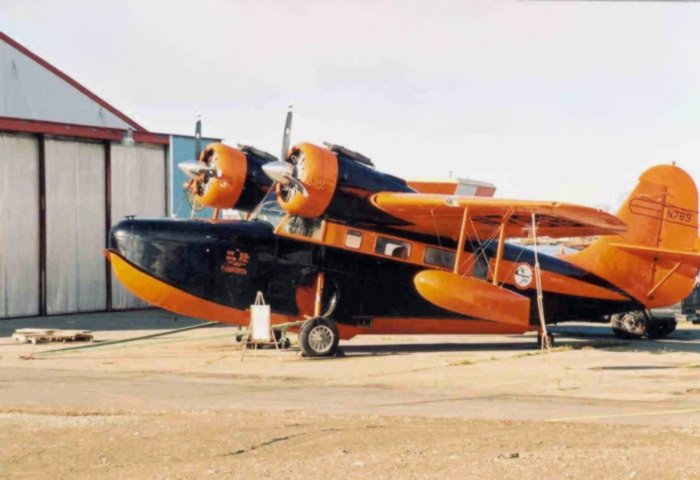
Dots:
{"x": 284, "y": 171}
{"x": 196, "y": 171}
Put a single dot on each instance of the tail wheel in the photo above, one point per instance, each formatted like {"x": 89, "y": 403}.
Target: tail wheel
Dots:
{"x": 630, "y": 325}
{"x": 661, "y": 328}
{"x": 319, "y": 338}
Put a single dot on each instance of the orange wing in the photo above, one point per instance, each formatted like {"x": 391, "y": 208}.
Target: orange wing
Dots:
{"x": 442, "y": 215}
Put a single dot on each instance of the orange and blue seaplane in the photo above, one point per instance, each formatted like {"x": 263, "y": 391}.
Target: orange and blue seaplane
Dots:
{"x": 340, "y": 249}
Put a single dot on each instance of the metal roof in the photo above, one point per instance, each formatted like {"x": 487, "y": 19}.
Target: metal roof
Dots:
{"x": 33, "y": 89}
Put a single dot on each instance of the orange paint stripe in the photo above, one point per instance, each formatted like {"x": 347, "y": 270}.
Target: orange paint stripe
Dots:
{"x": 165, "y": 296}
{"x": 555, "y": 283}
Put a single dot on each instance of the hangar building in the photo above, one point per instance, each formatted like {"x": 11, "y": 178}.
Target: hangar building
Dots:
{"x": 71, "y": 166}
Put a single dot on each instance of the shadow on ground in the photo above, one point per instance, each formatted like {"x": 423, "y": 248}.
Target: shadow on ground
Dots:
{"x": 682, "y": 340}
{"x": 409, "y": 348}
{"x": 152, "y": 319}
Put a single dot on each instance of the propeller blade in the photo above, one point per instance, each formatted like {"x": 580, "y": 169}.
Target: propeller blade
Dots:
{"x": 198, "y": 137}
{"x": 194, "y": 169}
{"x": 283, "y": 173}
{"x": 287, "y": 134}
{"x": 296, "y": 184}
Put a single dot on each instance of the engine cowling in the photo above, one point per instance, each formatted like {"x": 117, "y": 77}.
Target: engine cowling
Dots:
{"x": 317, "y": 170}
{"x": 230, "y": 178}
{"x": 223, "y": 188}
{"x": 332, "y": 182}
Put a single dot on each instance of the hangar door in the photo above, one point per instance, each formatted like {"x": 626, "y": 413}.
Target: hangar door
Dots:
{"x": 138, "y": 188}
{"x": 75, "y": 227}
{"x": 19, "y": 226}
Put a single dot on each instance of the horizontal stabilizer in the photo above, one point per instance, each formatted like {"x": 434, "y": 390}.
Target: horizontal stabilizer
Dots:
{"x": 661, "y": 255}
{"x": 473, "y": 297}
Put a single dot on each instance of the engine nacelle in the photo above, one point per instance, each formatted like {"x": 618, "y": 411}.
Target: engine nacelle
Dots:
{"x": 338, "y": 184}
{"x": 317, "y": 169}
{"x": 237, "y": 180}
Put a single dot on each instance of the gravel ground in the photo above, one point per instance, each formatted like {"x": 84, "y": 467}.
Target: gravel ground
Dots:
{"x": 214, "y": 444}
{"x": 393, "y": 407}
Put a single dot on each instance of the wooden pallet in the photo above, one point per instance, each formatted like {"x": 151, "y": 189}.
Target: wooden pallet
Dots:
{"x": 43, "y": 335}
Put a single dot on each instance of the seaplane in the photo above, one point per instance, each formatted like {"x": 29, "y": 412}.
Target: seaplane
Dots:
{"x": 340, "y": 249}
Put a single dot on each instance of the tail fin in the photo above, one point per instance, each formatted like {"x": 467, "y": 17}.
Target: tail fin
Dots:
{"x": 656, "y": 259}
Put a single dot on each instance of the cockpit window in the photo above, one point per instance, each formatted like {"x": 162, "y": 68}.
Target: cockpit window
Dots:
{"x": 269, "y": 210}
{"x": 306, "y": 227}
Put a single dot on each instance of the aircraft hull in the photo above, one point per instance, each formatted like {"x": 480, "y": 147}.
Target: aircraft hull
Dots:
{"x": 213, "y": 271}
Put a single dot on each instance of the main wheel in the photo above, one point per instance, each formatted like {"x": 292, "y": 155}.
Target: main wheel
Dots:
{"x": 319, "y": 338}
{"x": 630, "y": 325}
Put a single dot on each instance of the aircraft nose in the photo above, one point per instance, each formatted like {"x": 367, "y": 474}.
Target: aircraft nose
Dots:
{"x": 130, "y": 239}
{"x": 219, "y": 262}
{"x": 160, "y": 246}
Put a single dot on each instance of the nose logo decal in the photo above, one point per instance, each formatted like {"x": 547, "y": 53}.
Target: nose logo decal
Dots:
{"x": 236, "y": 262}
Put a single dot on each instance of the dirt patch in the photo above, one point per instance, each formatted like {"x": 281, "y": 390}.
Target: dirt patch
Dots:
{"x": 296, "y": 445}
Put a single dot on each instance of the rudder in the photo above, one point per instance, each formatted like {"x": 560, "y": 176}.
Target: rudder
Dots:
{"x": 654, "y": 260}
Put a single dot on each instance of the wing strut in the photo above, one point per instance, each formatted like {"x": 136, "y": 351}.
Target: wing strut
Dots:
{"x": 462, "y": 241}
{"x": 501, "y": 243}
{"x": 546, "y": 339}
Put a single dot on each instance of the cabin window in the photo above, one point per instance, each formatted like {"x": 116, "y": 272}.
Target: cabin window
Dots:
{"x": 353, "y": 239}
{"x": 304, "y": 227}
{"x": 439, "y": 257}
{"x": 392, "y": 248}
{"x": 481, "y": 266}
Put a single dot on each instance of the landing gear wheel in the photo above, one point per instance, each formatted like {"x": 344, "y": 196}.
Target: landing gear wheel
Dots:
{"x": 659, "y": 328}
{"x": 629, "y": 326}
{"x": 540, "y": 339}
{"x": 319, "y": 338}
{"x": 617, "y": 327}
{"x": 671, "y": 324}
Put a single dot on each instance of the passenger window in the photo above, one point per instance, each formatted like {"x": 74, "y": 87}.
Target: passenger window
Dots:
{"x": 439, "y": 257}
{"x": 392, "y": 248}
{"x": 305, "y": 227}
{"x": 353, "y": 239}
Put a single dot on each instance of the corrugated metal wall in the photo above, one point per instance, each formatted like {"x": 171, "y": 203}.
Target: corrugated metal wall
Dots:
{"x": 74, "y": 231}
{"x": 75, "y": 227}
{"x": 19, "y": 225}
{"x": 138, "y": 188}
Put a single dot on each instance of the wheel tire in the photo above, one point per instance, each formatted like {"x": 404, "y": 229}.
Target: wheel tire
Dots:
{"x": 617, "y": 327}
{"x": 661, "y": 328}
{"x": 670, "y": 327}
{"x": 630, "y": 325}
{"x": 621, "y": 334}
{"x": 319, "y": 338}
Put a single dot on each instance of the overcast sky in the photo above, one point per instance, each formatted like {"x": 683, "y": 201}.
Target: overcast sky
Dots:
{"x": 552, "y": 100}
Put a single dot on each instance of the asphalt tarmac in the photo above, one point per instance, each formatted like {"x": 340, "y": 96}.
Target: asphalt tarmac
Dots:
{"x": 589, "y": 376}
